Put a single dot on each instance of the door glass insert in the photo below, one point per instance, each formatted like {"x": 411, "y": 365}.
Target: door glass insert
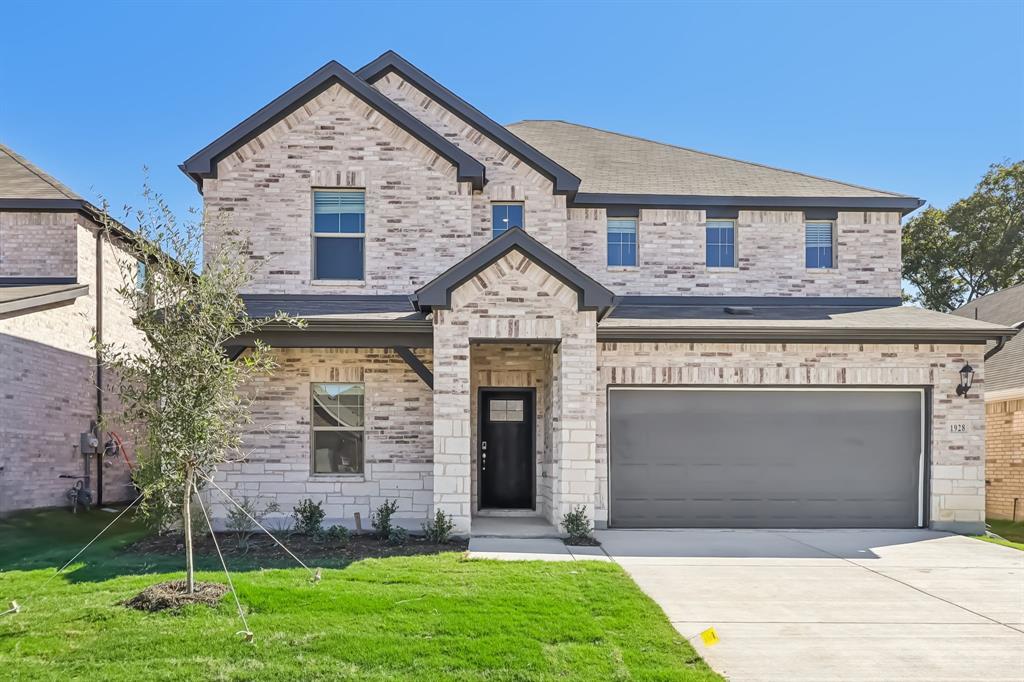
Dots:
{"x": 506, "y": 411}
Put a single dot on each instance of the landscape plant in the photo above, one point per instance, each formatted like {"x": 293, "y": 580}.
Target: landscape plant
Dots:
{"x": 438, "y": 529}
{"x": 577, "y": 526}
{"x": 381, "y": 518}
{"x": 309, "y": 517}
{"x": 180, "y": 386}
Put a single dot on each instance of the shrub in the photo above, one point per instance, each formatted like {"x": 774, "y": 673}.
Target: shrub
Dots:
{"x": 397, "y": 536}
{"x": 335, "y": 535}
{"x": 241, "y": 524}
{"x": 381, "y": 519}
{"x": 309, "y": 517}
{"x": 577, "y": 525}
{"x": 439, "y": 529}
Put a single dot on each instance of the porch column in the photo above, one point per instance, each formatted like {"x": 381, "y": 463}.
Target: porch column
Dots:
{"x": 451, "y": 419}
{"x": 574, "y": 419}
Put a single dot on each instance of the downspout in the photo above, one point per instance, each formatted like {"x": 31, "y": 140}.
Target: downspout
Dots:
{"x": 1002, "y": 341}
{"x": 99, "y": 366}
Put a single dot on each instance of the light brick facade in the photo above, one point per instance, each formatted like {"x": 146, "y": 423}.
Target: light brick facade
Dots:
{"x": 513, "y": 324}
{"x": 48, "y": 367}
{"x": 38, "y": 244}
{"x": 1004, "y": 459}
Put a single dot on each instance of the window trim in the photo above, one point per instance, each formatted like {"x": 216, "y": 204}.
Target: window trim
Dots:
{"x": 314, "y": 279}
{"x": 834, "y": 265}
{"x": 636, "y": 234}
{"x": 735, "y": 246}
{"x": 507, "y": 203}
{"x": 313, "y": 428}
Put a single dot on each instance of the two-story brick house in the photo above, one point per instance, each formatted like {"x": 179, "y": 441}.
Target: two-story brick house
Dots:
{"x": 515, "y": 320}
{"x": 60, "y": 269}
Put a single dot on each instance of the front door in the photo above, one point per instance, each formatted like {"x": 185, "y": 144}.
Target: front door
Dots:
{"x": 506, "y": 448}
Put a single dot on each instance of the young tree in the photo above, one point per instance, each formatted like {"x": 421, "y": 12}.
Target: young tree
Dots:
{"x": 973, "y": 248}
{"x": 180, "y": 390}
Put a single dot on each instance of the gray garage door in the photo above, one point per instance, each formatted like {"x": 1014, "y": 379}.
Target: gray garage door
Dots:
{"x": 786, "y": 458}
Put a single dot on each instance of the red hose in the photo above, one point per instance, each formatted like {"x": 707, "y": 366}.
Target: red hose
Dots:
{"x": 124, "y": 451}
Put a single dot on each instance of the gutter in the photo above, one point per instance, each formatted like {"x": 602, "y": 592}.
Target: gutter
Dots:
{"x": 1002, "y": 339}
{"x": 796, "y": 335}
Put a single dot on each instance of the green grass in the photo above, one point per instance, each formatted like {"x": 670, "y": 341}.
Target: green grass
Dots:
{"x": 425, "y": 617}
{"x": 1012, "y": 534}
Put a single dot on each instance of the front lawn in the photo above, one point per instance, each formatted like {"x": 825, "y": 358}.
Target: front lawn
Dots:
{"x": 1011, "y": 534}
{"x": 422, "y": 617}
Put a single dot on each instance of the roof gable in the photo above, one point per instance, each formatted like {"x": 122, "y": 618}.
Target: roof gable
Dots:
{"x": 591, "y": 295}
{"x": 203, "y": 164}
{"x": 391, "y": 62}
{"x": 23, "y": 181}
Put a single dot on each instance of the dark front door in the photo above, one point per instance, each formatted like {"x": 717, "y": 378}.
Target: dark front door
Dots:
{"x": 506, "y": 448}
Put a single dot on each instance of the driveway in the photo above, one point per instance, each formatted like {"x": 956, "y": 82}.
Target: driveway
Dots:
{"x": 837, "y": 604}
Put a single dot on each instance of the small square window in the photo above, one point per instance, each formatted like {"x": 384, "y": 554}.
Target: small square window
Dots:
{"x": 721, "y": 244}
{"x": 819, "y": 246}
{"x": 505, "y": 217}
{"x": 505, "y": 411}
{"x": 622, "y": 242}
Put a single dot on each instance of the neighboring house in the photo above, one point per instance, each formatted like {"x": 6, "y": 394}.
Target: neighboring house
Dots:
{"x": 669, "y": 338}
{"x": 1004, "y": 404}
{"x": 58, "y": 276}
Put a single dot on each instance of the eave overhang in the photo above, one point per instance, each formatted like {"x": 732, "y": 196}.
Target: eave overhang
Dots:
{"x": 591, "y": 295}
{"x": 723, "y": 334}
{"x": 203, "y": 164}
{"x": 26, "y": 298}
{"x": 823, "y": 205}
{"x": 391, "y": 62}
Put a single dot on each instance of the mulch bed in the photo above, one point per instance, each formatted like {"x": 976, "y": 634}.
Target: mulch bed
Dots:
{"x": 172, "y": 596}
{"x": 582, "y": 542}
{"x": 362, "y": 546}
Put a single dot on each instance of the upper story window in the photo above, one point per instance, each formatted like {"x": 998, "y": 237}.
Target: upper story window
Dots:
{"x": 339, "y": 234}
{"x": 721, "y": 244}
{"x": 505, "y": 216}
{"x": 621, "y": 242}
{"x": 819, "y": 245}
{"x": 338, "y": 426}
{"x": 140, "y": 275}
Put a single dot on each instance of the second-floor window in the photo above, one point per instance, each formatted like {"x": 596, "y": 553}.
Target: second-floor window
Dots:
{"x": 339, "y": 234}
{"x": 721, "y": 244}
{"x": 505, "y": 216}
{"x": 819, "y": 241}
{"x": 621, "y": 242}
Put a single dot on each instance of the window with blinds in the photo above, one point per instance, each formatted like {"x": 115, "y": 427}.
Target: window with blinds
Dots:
{"x": 721, "y": 244}
{"x": 622, "y": 242}
{"x": 819, "y": 245}
{"x": 339, "y": 232}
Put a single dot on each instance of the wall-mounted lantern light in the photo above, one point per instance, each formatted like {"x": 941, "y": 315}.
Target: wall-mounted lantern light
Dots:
{"x": 966, "y": 380}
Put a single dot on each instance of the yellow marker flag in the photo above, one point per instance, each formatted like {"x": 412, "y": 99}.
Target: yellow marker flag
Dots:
{"x": 709, "y": 637}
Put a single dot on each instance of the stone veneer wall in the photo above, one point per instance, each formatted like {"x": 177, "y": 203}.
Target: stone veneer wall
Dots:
{"x": 414, "y": 204}
{"x": 48, "y": 375}
{"x": 957, "y": 459}
{"x": 398, "y": 433}
{"x": 1004, "y": 458}
{"x": 38, "y": 244}
{"x": 515, "y": 299}
{"x": 508, "y": 177}
{"x": 769, "y": 255}
{"x": 514, "y": 365}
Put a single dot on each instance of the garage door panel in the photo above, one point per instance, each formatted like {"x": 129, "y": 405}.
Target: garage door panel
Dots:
{"x": 747, "y": 458}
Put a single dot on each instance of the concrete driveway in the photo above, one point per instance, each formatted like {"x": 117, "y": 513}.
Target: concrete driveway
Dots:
{"x": 837, "y": 604}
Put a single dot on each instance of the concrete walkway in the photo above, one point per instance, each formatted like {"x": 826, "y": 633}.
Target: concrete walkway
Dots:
{"x": 531, "y": 549}
{"x": 837, "y": 605}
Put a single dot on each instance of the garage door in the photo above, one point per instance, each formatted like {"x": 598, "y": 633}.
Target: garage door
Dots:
{"x": 772, "y": 458}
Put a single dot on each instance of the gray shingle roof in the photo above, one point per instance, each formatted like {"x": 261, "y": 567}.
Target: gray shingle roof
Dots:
{"x": 21, "y": 179}
{"x": 613, "y": 163}
{"x": 1005, "y": 369}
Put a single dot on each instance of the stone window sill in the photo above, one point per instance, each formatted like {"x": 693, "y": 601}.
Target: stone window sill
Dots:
{"x": 724, "y": 269}
{"x": 336, "y": 282}
{"x": 823, "y": 271}
{"x": 346, "y": 478}
{"x": 623, "y": 268}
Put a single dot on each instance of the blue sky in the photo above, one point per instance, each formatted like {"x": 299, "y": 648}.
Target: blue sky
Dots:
{"x": 912, "y": 97}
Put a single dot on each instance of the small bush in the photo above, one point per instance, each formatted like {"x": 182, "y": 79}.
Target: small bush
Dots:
{"x": 241, "y": 524}
{"x": 577, "y": 526}
{"x": 335, "y": 535}
{"x": 439, "y": 529}
{"x": 397, "y": 536}
{"x": 381, "y": 518}
{"x": 309, "y": 517}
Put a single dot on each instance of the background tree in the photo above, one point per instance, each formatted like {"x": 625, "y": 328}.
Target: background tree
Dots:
{"x": 973, "y": 248}
{"x": 180, "y": 390}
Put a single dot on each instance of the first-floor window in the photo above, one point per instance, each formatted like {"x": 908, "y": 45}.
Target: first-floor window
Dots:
{"x": 337, "y": 423}
{"x": 819, "y": 245}
{"x": 621, "y": 242}
{"x": 339, "y": 234}
{"x": 721, "y": 244}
